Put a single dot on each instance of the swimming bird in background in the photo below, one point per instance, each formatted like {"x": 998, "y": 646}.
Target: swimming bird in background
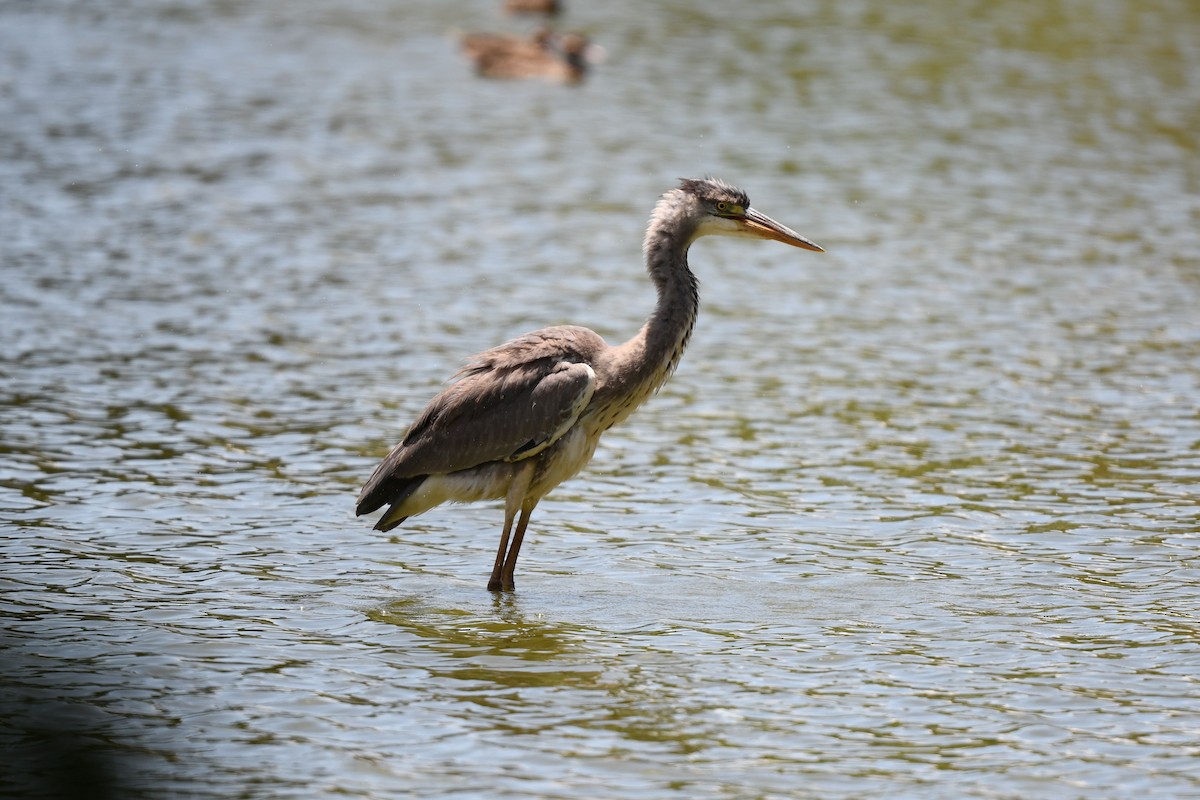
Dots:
{"x": 562, "y": 58}
{"x": 523, "y": 417}
{"x": 479, "y": 46}
{"x": 548, "y": 7}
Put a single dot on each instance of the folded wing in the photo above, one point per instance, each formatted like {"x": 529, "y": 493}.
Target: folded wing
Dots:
{"x": 511, "y": 403}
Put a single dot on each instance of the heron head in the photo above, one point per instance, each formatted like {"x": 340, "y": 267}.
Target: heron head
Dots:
{"x": 724, "y": 210}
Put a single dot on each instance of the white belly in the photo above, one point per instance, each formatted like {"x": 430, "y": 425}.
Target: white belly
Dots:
{"x": 564, "y": 460}
{"x": 491, "y": 481}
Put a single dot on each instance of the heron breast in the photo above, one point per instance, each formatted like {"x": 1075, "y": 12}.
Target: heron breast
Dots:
{"x": 564, "y": 460}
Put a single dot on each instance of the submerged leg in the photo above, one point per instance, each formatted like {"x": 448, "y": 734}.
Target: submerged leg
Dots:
{"x": 513, "y": 501}
{"x": 510, "y": 561}
{"x": 494, "y": 584}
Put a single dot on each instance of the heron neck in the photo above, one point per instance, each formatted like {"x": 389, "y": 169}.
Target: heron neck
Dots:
{"x": 636, "y": 369}
{"x": 659, "y": 345}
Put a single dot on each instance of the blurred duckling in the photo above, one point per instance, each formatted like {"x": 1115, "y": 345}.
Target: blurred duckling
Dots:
{"x": 564, "y": 60}
{"x": 547, "y": 7}
{"x": 480, "y": 46}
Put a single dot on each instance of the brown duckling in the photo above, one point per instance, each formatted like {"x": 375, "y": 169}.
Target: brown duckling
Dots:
{"x": 477, "y": 46}
{"x": 564, "y": 61}
{"x": 547, "y": 7}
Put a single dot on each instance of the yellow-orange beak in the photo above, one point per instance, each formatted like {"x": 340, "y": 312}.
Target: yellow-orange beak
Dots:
{"x": 762, "y": 226}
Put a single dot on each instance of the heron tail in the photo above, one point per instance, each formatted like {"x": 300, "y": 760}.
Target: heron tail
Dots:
{"x": 389, "y": 520}
{"x": 389, "y": 491}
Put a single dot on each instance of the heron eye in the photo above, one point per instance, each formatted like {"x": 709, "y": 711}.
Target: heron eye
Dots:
{"x": 722, "y": 206}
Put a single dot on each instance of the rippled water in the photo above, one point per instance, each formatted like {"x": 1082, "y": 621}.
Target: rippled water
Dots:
{"x": 917, "y": 517}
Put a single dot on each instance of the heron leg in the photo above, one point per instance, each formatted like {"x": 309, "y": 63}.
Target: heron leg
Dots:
{"x": 494, "y": 584}
{"x": 510, "y": 560}
{"x": 501, "y": 580}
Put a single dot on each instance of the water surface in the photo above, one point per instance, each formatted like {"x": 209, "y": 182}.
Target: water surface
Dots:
{"x": 916, "y": 517}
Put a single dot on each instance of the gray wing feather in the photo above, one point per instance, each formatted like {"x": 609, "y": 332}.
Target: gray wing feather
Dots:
{"x": 509, "y": 403}
{"x": 497, "y": 417}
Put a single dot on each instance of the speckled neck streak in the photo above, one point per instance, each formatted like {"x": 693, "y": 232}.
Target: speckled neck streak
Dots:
{"x": 648, "y": 359}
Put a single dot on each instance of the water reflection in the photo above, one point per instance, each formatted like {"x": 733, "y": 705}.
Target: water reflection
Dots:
{"x": 526, "y": 676}
{"x": 506, "y": 631}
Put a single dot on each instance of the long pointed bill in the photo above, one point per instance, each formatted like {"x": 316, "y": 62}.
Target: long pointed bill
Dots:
{"x": 762, "y": 226}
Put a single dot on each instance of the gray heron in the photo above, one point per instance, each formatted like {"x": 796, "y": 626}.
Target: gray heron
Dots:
{"x": 521, "y": 418}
